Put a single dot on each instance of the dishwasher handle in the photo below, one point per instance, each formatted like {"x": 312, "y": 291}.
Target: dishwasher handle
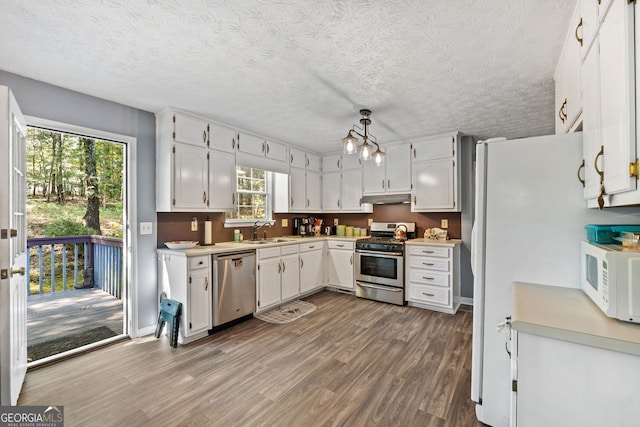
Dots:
{"x": 235, "y": 255}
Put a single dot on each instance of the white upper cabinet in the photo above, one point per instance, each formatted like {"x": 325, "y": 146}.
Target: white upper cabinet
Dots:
{"x": 342, "y": 184}
{"x": 222, "y": 180}
{"x": 331, "y": 183}
{"x": 609, "y": 96}
{"x": 568, "y": 98}
{"x": 297, "y": 190}
{"x": 331, "y": 163}
{"x": 297, "y": 158}
{"x": 251, "y": 144}
{"x": 190, "y": 129}
{"x": 222, "y": 138}
{"x": 436, "y": 174}
{"x": 314, "y": 191}
{"x": 190, "y": 178}
{"x": 394, "y": 176}
{"x": 351, "y": 161}
{"x": 275, "y": 151}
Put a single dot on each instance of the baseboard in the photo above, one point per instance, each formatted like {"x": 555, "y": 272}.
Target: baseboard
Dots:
{"x": 465, "y": 300}
{"x": 148, "y": 330}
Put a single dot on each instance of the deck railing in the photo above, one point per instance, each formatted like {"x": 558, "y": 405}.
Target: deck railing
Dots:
{"x": 92, "y": 261}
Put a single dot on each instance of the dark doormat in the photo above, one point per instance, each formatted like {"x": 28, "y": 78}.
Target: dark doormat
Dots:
{"x": 68, "y": 342}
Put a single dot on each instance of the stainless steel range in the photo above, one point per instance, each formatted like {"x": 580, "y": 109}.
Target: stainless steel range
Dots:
{"x": 380, "y": 262}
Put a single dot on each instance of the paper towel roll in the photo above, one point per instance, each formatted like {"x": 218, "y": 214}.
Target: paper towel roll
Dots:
{"x": 207, "y": 233}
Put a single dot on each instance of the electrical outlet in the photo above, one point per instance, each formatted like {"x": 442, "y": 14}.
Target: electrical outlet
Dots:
{"x": 335, "y": 221}
{"x": 285, "y": 222}
{"x": 444, "y": 223}
{"x": 194, "y": 224}
{"x": 369, "y": 222}
{"x": 146, "y": 227}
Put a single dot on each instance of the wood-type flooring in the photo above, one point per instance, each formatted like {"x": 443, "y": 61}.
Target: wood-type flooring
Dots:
{"x": 351, "y": 362}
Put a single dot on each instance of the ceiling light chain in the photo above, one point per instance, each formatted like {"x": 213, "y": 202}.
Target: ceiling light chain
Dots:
{"x": 350, "y": 142}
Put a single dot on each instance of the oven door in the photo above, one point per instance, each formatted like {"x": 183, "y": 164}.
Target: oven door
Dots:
{"x": 382, "y": 268}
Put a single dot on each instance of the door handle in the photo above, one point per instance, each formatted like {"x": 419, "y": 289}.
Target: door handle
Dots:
{"x": 19, "y": 271}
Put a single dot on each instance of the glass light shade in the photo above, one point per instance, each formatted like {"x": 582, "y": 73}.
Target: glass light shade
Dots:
{"x": 349, "y": 143}
{"x": 365, "y": 151}
{"x": 378, "y": 157}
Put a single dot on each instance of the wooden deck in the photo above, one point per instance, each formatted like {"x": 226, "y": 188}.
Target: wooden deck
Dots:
{"x": 56, "y": 314}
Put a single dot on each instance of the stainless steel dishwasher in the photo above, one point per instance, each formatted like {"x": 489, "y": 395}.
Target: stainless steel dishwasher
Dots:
{"x": 235, "y": 295}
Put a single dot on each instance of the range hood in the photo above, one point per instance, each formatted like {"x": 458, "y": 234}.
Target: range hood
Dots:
{"x": 386, "y": 199}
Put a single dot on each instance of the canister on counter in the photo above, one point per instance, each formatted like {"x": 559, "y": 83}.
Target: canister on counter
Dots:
{"x": 340, "y": 230}
{"x": 349, "y": 231}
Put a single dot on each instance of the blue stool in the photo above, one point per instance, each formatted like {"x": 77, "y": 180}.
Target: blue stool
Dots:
{"x": 170, "y": 312}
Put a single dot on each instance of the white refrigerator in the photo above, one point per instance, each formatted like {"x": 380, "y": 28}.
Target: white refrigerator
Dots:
{"x": 529, "y": 222}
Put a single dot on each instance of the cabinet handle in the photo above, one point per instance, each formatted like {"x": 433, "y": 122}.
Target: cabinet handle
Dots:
{"x": 311, "y": 247}
{"x": 414, "y": 200}
{"x": 233, "y": 143}
{"x": 340, "y": 246}
{"x": 414, "y": 153}
{"x": 206, "y": 283}
{"x": 267, "y": 148}
{"x": 204, "y": 197}
{"x": 301, "y": 263}
{"x": 338, "y": 163}
{"x": 581, "y": 167}
{"x": 576, "y": 32}
{"x": 263, "y": 146}
{"x": 595, "y": 164}
{"x": 279, "y": 267}
{"x": 204, "y": 136}
{"x": 284, "y": 266}
{"x": 290, "y": 158}
{"x": 562, "y": 113}
{"x": 428, "y": 263}
{"x": 338, "y": 203}
{"x": 351, "y": 260}
{"x": 307, "y": 162}
{"x": 388, "y": 183}
{"x": 427, "y": 252}
{"x": 428, "y": 278}
{"x": 307, "y": 202}
{"x": 292, "y": 202}
{"x": 383, "y": 184}
{"x": 233, "y": 198}
{"x": 428, "y": 295}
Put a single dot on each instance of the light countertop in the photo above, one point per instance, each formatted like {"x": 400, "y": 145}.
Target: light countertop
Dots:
{"x": 568, "y": 314}
{"x": 423, "y": 241}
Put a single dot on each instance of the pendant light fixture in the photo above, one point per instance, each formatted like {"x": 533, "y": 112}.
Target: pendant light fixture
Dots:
{"x": 369, "y": 148}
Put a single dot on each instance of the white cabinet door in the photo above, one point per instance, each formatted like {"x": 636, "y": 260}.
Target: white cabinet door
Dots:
{"x": 297, "y": 158}
{"x": 199, "y": 300}
{"x": 617, "y": 89}
{"x": 331, "y": 163}
{"x": 352, "y": 190}
{"x": 398, "y": 168}
{"x": 591, "y": 131}
{"x": 313, "y": 162}
{"x": 275, "y": 151}
{"x": 222, "y": 181}
{"x": 190, "y": 177}
{"x": 351, "y": 161}
{"x": 340, "y": 268}
{"x": 331, "y": 191}
{"x": 297, "y": 190}
{"x": 434, "y": 149}
{"x": 373, "y": 178}
{"x": 222, "y": 138}
{"x": 251, "y": 144}
{"x": 434, "y": 185}
{"x": 311, "y": 271}
{"x": 269, "y": 275}
{"x": 290, "y": 276}
{"x": 314, "y": 191}
{"x": 190, "y": 130}
{"x": 568, "y": 77}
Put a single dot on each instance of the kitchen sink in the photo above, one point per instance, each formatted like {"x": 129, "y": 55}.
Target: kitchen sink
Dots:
{"x": 265, "y": 241}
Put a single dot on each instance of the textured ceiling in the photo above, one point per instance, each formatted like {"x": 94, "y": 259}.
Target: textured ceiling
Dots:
{"x": 299, "y": 71}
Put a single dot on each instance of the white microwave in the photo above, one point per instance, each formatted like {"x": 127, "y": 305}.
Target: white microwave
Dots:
{"x": 611, "y": 278}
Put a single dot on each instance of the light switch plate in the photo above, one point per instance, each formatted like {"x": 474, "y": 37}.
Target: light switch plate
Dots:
{"x": 369, "y": 221}
{"x": 335, "y": 221}
{"x": 146, "y": 227}
{"x": 285, "y": 222}
{"x": 444, "y": 223}
{"x": 194, "y": 224}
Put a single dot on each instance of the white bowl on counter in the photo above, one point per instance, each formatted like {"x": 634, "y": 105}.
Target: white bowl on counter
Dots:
{"x": 181, "y": 244}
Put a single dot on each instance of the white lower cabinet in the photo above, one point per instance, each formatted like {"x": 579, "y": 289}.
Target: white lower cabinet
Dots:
{"x": 340, "y": 271}
{"x": 188, "y": 281}
{"x": 561, "y": 383}
{"x": 432, "y": 276}
{"x": 278, "y": 275}
{"x": 311, "y": 266}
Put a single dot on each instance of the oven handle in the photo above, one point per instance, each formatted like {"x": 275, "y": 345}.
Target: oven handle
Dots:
{"x": 390, "y": 254}
{"x": 381, "y": 288}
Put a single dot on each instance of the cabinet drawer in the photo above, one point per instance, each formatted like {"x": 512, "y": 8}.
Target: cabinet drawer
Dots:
{"x": 341, "y": 244}
{"x": 304, "y": 247}
{"x": 289, "y": 249}
{"x": 268, "y": 253}
{"x": 196, "y": 262}
{"x": 429, "y": 294}
{"x": 437, "y": 251}
{"x": 430, "y": 277}
{"x": 438, "y": 264}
